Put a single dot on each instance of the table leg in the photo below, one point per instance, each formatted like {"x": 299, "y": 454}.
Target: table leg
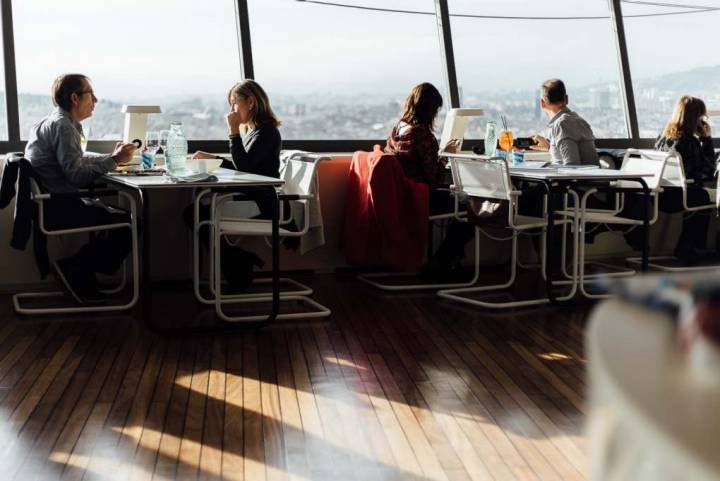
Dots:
{"x": 275, "y": 241}
{"x": 219, "y": 326}
{"x": 145, "y": 270}
{"x": 549, "y": 258}
{"x": 646, "y": 225}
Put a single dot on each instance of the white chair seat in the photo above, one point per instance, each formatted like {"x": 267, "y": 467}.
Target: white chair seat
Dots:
{"x": 251, "y": 228}
{"x": 602, "y": 218}
{"x": 523, "y": 222}
{"x": 529, "y": 222}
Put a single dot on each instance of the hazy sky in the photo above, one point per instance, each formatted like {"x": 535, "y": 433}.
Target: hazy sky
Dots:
{"x": 160, "y": 48}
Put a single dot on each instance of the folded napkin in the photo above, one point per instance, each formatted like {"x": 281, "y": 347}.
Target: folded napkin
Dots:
{"x": 188, "y": 179}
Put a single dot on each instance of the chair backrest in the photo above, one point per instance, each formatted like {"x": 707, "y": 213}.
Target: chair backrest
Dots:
{"x": 674, "y": 174}
{"x": 482, "y": 178}
{"x": 299, "y": 175}
{"x": 26, "y": 168}
{"x": 646, "y": 161}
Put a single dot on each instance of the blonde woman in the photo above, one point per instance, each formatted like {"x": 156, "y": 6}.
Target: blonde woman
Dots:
{"x": 687, "y": 133}
{"x": 255, "y": 140}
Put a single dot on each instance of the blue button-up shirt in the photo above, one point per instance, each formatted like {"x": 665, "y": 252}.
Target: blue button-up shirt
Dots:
{"x": 56, "y": 154}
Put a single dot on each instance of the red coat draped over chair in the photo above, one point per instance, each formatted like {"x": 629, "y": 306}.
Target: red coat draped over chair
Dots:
{"x": 386, "y": 214}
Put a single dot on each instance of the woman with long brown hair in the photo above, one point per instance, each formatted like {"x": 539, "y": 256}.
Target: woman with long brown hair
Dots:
{"x": 688, "y": 133}
{"x": 413, "y": 140}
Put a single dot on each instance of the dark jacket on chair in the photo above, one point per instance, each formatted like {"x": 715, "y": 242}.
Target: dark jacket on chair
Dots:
{"x": 15, "y": 183}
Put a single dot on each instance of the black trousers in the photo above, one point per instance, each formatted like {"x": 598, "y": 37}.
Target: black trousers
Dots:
{"x": 235, "y": 259}
{"x": 458, "y": 233}
{"x": 107, "y": 249}
{"x": 694, "y": 227}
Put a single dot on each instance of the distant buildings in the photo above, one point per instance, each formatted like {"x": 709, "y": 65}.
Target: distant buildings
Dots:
{"x": 363, "y": 116}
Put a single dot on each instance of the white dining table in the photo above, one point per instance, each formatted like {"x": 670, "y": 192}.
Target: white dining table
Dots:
{"x": 557, "y": 178}
{"x": 224, "y": 180}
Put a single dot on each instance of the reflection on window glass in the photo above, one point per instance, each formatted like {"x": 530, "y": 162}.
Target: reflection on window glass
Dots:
{"x": 179, "y": 54}
{"x": 334, "y": 72}
{"x": 672, "y": 53}
{"x": 502, "y": 61}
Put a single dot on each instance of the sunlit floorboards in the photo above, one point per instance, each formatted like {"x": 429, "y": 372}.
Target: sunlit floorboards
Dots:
{"x": 391, "y": 387}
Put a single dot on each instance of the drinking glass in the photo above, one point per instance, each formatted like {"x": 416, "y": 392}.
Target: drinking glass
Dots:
{"x": 506, "y": 141}
{"x": 152, "y": 144}
{"x": 163, "y": 138}
{"x": 152, "y": 141}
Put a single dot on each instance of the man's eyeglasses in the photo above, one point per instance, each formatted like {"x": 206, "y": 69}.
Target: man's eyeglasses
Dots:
{"x": 82, "y": 92}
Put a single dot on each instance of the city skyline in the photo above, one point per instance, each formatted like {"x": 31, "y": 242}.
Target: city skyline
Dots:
{"x": 323, "y": 116}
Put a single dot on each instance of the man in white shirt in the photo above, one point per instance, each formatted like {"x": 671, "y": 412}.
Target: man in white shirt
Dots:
{"x": 570, "y": 139}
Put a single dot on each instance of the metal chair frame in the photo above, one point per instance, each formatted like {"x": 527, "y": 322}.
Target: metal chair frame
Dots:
{"x": 503, "y": 190}
{"x": 648, "y": 161}
{"x": 40, "y": 198}
{"x": 674, "y": 176}
{"x": 221, "y": 225}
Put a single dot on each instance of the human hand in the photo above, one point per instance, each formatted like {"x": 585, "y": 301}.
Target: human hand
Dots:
{"x": 452, "y": 146}
{"x": 541, "y": 143}
{"x": 202, "y": 155}
{"x": 233, "y": 122}
{"x": 704, "y": 129}
{"x": 123, "y": 153}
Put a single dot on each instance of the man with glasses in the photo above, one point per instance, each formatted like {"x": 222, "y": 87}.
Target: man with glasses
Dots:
{"x": 56, "y": 150}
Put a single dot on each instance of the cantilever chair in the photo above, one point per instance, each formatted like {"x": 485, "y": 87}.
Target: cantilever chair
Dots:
{"x": 375, "y": 279}
{"x": 40, "y": 198}
{"x": 674, "y": 176}
{"x": 299, "y": 175}
{"x": 491, "y": 179}
{"x": 635, "y": 162}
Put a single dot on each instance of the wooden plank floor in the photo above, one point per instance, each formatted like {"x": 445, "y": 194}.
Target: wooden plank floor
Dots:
{"x": 391, "y": 387}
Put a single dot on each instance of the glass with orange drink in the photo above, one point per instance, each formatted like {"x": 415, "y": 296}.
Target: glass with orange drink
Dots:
{"x": 506, "y": 141}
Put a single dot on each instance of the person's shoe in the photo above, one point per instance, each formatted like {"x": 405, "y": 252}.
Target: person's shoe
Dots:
{"x": 78, "y": 282}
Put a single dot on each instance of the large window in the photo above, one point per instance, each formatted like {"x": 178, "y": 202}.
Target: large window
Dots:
{"x": 179, "y": 54}
{"x": 336, "y": 72}
{"x": 3, "y": 103}
{"x": 505, "y": 49}
{"x": 672, "y": 51}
